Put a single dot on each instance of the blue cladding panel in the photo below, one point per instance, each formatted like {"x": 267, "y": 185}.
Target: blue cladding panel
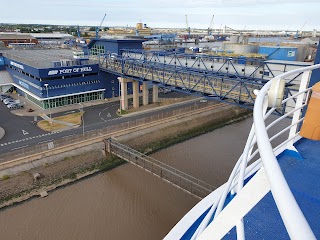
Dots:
{"x": 63, "y": 71}
{"x": 72, "y": 85}
{"x": 114, "y": 46}
{"x": 315, "y": 77}
{"x": 111, "y": 84}
{"x": 279, "y": 53}
{"x": 26, "y": 82}
{"x": 23, "y": 67}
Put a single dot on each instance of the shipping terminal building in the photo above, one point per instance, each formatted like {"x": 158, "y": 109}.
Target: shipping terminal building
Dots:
{"x": 61, "y": 77}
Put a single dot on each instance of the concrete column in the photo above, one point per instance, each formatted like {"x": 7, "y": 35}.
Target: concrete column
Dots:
{"x": 155, "y": 93}
{"x": 124, "y": 93}
{"x": 135, "y": 85}
{"x": 145, "y": 93}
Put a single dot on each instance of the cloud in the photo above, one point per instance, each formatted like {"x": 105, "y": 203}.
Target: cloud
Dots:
{"x": 167, "y": 13}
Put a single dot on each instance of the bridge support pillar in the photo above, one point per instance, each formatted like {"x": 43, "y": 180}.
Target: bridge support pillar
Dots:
{"x": 145, "y": 93}
{"x": 155, "y": 93}
{"x": 135, "y": 85}
{"x": 124, "y": 92}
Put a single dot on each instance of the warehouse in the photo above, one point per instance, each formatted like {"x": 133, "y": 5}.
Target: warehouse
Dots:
{"x": 60, "y": 77}
{"x": 55, "y": 77}
{"x": 8, "y": 38}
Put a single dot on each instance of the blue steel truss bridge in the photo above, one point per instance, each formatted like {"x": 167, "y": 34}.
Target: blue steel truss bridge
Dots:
{"x": 225, "y": 79}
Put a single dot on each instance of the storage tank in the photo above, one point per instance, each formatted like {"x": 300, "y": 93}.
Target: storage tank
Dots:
{"x": 243, "y": 39}
{"x": 139, "y": 26}
{"x": 240, "y": 48}
{"x": 279, "y": 53}
{"x": 234, "y": 39}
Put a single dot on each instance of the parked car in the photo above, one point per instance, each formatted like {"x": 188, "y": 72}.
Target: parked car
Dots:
{"x": 10, "y": 100}
{"x": 15, "y": 105}
{"x": 167, "y": 90}
{"x": 3, "y": 97}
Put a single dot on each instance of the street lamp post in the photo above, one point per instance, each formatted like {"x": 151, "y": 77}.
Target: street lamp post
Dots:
{"x": 120, "y": 99}
{"x": 46, "y": 85}
{"x": 81, "y": 109}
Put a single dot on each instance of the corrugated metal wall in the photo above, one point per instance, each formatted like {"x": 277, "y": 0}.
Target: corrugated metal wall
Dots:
{"x": 279, "y": 53}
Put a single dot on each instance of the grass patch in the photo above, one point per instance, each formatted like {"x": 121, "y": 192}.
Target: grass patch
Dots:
{"x": 72, "y": 176}
{"x": 194, "y": 132}
{"x": 74, "y": 118}
{"x": 121, "y": 112}
{"x": 5, "y": 177}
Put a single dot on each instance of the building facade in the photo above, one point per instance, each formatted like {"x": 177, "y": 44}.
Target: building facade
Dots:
{"x": 104, "y": 46}
{"x": 59, "y": 77}
{"x": 17, "y": 38}
{"x": 61, "y": 85}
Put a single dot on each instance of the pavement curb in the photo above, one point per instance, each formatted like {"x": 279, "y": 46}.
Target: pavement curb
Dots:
{"x": 2, "y": 132}
{"x": 158, "y": 108}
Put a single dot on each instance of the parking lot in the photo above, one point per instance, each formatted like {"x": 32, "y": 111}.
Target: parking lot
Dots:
{"x": 10, "y": 102}
{"x": 16, "y": 127}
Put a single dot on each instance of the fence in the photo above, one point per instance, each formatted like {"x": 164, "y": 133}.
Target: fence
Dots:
{"x": 62, "y": 142}
{"x": 162, "y": 170}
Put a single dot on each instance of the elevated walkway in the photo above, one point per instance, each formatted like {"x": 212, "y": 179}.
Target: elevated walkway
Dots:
{"x": 221, "y": 78}
{"x": 173, "y": 176}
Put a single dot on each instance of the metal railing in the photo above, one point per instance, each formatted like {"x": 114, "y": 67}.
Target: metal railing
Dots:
{"x": 62, "y": 142}
{"x": 260, "y": 144}
{"x": 174, "y": 176}
{"x": 210, "y": 84}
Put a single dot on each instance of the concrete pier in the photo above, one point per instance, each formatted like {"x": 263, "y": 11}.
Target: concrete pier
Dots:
{"x": 124, "y": 92}
{"x": 155, "y": 93}
{"x": 135, "y": 85}
{"x": 145, "y": 92}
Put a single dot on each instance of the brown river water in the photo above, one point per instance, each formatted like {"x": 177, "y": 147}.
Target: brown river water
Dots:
{"x": 126, "y": 202}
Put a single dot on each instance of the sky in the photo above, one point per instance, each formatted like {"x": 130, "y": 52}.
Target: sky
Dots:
{"x": 237, "y": 14}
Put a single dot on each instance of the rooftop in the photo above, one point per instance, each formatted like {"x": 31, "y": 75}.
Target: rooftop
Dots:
{"x": 51, "y": 35}
{"x": 39, "y": 58}
{"x": 8, "y": 36}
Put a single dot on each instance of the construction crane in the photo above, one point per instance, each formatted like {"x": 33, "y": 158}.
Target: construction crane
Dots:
{"x": 299, "y": 33}
{"x": 78, "y": 32}
{"x": 210, "y": 28}
{"x": 188, "y": 28}
{"x": 234, "y": 31}
{"x": 79, "y": 38}
{"x": 98, "y": 28}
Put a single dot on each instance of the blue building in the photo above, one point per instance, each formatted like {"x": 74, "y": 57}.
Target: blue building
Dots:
{"x": 59, "y": 77}
{"x": 2, "y": 66}
{"x": 103, "y": 46}
{"x": 279, "y": 52}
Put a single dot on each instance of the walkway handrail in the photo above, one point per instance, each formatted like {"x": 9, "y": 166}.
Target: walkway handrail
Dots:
{"x": 293, "y": 218}
{"x": 290, "y": 212}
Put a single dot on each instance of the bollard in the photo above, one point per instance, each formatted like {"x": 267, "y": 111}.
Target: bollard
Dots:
{"x": 311, "y": 124}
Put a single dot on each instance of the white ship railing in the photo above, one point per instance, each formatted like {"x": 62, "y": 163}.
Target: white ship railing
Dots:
{"x": 269, "y": 175}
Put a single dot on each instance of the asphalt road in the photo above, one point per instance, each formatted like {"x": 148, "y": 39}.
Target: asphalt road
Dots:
{"x": 21, "y": 132}
{"x": 16, "y": 127}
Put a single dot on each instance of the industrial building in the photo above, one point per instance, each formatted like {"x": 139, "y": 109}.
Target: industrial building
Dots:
{"x": 103, "y": 46}
{"x": 58, "y": 77}
{"x": 52, "y": 38}
{"x": 8, "y": 38}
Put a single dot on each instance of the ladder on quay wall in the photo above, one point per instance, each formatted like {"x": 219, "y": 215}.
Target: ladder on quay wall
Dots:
{"x": 173, "y": 176}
